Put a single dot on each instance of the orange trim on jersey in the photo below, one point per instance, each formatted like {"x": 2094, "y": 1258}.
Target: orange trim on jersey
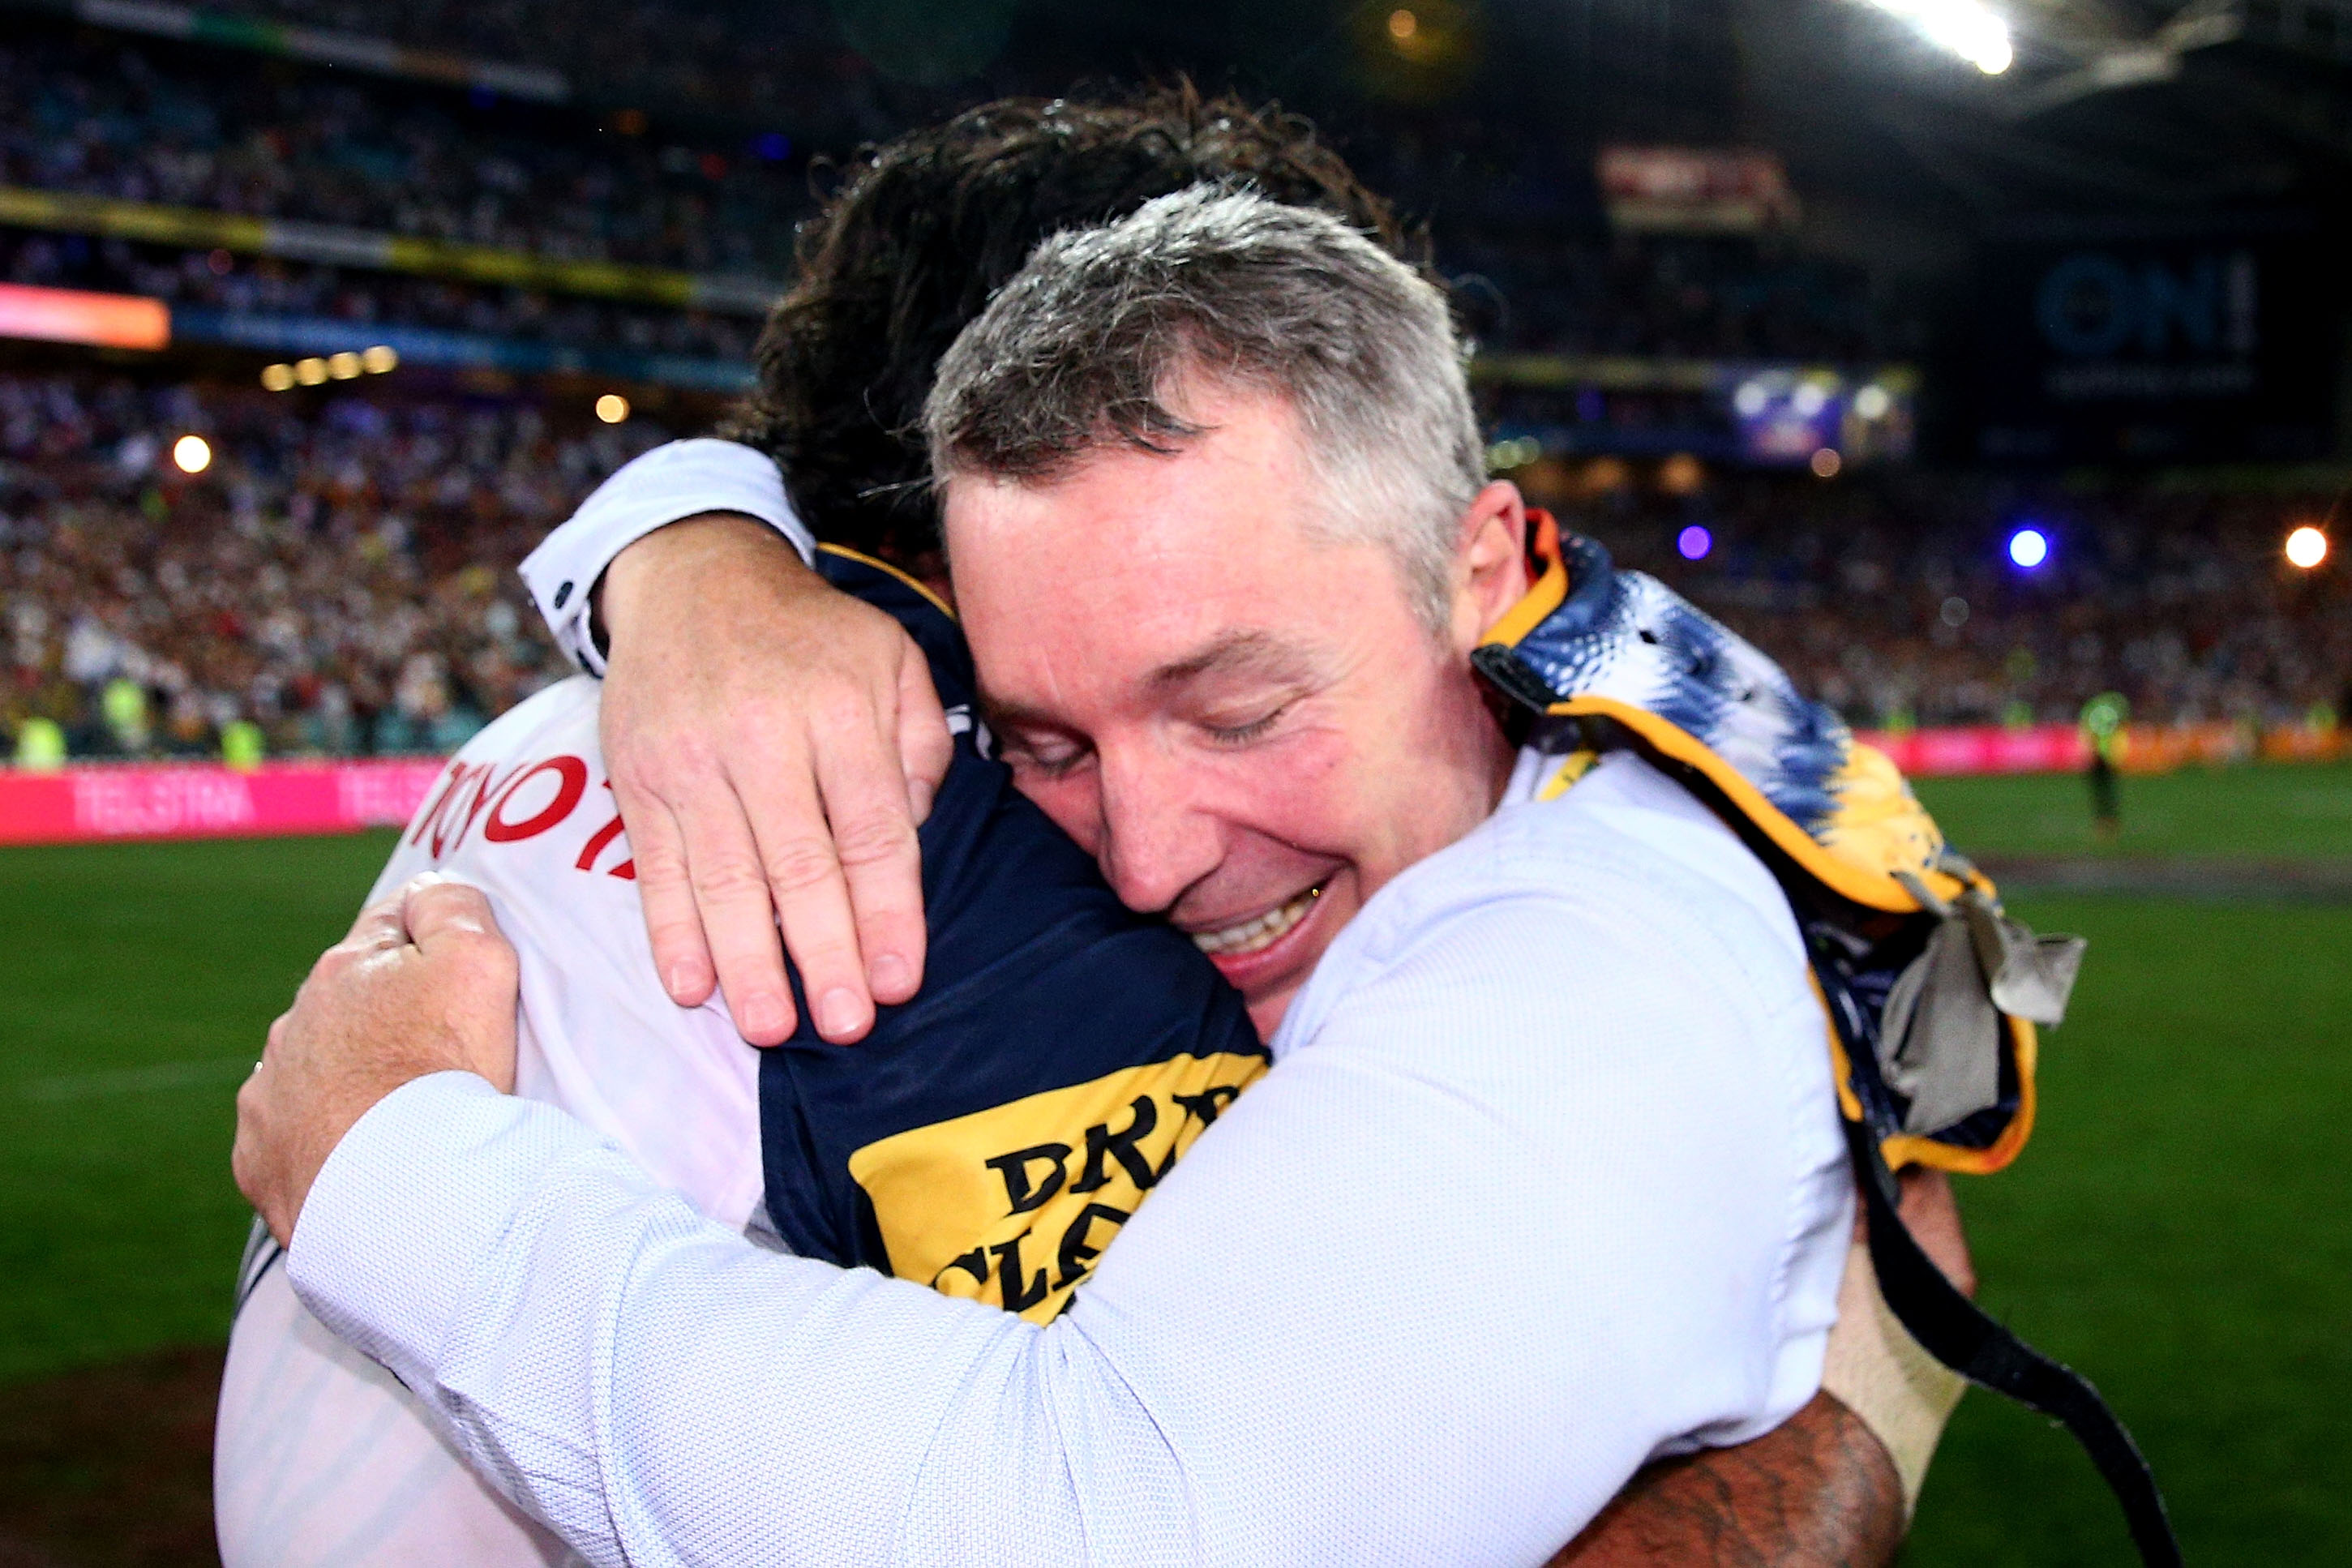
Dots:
{"x": 863, "y": 559}
{"x": 1876, "y": 891}
{"x": 1550, "y": 590}
{"x": 1908, "y": 1149}
{"x": 1904, "y": 1149}
{"x": 1840, "y": 1065}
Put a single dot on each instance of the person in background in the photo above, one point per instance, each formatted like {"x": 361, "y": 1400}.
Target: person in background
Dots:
{"x": 2104, "y": 718}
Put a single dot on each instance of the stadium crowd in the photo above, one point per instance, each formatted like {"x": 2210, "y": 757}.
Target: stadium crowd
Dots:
{"x": 715, "y": 57}
{"x": 341, "y": 583}
{"x": 247, "y": 284}
{"x": 1890, "y": 595}
{"x": 146, "y": 122}
{"x": 340, "y": 577}
{"x": 126, "y": 118}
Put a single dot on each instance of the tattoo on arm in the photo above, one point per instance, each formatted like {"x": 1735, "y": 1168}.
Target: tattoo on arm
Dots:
{"x": 1817, "y": 1492}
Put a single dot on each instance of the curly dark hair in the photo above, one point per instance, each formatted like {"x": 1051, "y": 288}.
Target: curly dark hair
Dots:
{"x": 927, "y": 226}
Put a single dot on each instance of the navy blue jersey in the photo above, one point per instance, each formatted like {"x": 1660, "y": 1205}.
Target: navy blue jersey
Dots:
{"x": 989, "y": 1137}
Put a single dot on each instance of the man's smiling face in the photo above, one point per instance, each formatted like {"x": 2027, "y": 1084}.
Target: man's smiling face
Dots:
{"x": 1245, "y": 723}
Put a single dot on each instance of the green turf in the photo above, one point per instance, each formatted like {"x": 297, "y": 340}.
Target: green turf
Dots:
{"x": 2287, "y": 812}
{"x": 141, "y": 978}
{"x": 2177, "y": 1230}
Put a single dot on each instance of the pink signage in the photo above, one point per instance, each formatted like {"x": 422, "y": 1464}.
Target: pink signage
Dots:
{"x": 89, "y": 804}
{"x": 1984, "y": 749}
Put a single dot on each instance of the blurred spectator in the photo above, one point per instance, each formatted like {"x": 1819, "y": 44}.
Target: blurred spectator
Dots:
{"x": 268, "y": 286}
{"x": 119, "y": 117}
{"x": 338, "y": 583}
{"x": 1891, "y": 597}
{"x": 128, "y": 117}
{"x": 715, "y": 54}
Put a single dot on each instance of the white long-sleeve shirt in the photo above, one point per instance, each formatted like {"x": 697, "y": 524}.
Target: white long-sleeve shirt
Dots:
{"x": 1546, "y": 1180}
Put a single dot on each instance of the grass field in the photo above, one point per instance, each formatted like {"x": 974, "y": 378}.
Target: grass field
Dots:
{"x": 2178, "y": 1229}
{"x": 144, "y": 977}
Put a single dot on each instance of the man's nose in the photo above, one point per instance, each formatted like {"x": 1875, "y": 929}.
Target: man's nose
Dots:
{"x": 1157, "y": 836}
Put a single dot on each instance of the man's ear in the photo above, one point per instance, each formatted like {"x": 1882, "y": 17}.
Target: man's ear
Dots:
{"x": 1490, "y": 562}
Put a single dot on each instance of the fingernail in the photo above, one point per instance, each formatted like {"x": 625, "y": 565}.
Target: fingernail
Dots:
{"x": 893, "y": 976}
{"x": 762, "y": 1015}
{"x": 680, "y": 979}
{"x": 838, "y": 1012}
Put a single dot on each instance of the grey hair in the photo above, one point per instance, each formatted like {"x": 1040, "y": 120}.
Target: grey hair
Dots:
{"x": 1082, "y": 348}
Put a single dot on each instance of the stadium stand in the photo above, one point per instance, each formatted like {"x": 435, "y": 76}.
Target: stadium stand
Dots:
{"x": 264, "y": 287}
{"x": 340, "y": 577}
{"x": 1892, "y": 597}
{"x": 339, "y": 573}
{"x": 114, "y": 117}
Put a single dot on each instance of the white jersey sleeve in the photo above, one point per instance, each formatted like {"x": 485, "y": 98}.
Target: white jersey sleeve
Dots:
{"x": 681, "y": 479}
{"x": 320, "y": 1456}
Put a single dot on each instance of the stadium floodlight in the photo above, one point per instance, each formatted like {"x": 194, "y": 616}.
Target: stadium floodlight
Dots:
{"x": 191, "y": 454}
{"x": 2306, "y": 547}
{"x": 1969, "y": 28}
{"x": 379, "y": 360}
{"x": 312, "y": 372}
{"x": 1873, "y": 402}
{"x": 1694, "y": 543}
{"x": 344, "y": 366}
{"x": 2029, "y": 548}
{"x": 611, "y": 409}
{"x": 277, "y": 377}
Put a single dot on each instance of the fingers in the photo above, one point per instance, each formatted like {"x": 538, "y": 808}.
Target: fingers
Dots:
{"x": 666, "y": 891}
{"x": 452, "y": 921}
{"x": 803, "y": 875}
{"x": 868, "y": 803}
{"x": 379, "y": 924}
{"x": 439, "y": 909}
{"x": 925, "y": 747}
{"x": 729, "y": 877}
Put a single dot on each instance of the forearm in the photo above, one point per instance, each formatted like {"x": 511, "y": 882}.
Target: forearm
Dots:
{"x": 681, "y": 480}
{"x": 1817, "y": 1492}
{"x": 630, "y": 588}
{"x": 685, "y": 1397}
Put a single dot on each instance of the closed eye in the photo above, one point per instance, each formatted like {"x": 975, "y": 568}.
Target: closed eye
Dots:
{"x": 1049, "y": 760}
{"x": 1244, "y": 733}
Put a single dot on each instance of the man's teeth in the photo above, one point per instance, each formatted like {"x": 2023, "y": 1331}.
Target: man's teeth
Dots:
{"x": 1259, "y": 932}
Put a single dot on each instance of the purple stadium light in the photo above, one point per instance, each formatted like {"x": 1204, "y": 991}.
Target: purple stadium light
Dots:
{"x": 1693, "y": 542}
{"x": 2029, "y": 548}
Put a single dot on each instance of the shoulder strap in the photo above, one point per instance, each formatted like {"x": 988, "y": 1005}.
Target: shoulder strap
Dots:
{"x": 1959, "y": 1334}
{"x": 1633, "y": 666}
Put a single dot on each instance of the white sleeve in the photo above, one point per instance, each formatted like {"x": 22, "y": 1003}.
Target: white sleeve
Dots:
{"x": 1429, "y": 1293}
{"x": 679, "y": 480}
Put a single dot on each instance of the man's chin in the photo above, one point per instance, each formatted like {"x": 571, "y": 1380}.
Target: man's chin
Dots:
{"x": 1270, "y": 978}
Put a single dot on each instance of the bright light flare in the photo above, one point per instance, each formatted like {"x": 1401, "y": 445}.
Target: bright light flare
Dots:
{"x": 1694, "y": 543}
{"x": 611, "y": 409}
{"x": 2029, "y": 548}
{"x": 191, "y": 454}
{"x": 1969, "y": 28}
{"x": 2306, "y": 547}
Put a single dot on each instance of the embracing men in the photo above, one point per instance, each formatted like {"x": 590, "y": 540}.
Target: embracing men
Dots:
{"x": 1545, "y": 1182}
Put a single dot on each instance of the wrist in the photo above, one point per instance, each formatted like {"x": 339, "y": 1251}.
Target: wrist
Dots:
{"x": 679, "y": 562}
